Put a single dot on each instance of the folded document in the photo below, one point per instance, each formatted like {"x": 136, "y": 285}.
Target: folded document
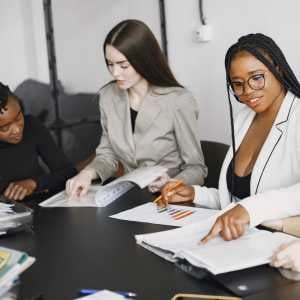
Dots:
{"x": 217, "y": 256}
{"x": 102, "y": 195}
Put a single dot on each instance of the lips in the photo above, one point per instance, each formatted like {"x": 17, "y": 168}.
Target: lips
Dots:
{"x": 16, "y": 137}
{"x": 254, "y": 101}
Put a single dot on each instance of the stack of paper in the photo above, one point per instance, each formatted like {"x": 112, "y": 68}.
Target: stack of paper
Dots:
{"x": 12, "y": 263}
{"x": 13, "y": 215}
{"x": 218, "y": 256}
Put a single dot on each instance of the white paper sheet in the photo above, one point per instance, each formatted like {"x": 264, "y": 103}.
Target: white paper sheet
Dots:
{"x": 102, "y": 295}
{"x": 175, "y": 215}
{"x": 101, "y": 196}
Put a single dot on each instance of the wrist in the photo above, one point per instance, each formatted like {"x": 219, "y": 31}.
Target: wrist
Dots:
{"x": 90, "y": 173}
{"x": 33, "y": 184}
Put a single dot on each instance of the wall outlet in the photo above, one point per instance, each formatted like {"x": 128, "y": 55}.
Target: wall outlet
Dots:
{"x": 203, "y": 34}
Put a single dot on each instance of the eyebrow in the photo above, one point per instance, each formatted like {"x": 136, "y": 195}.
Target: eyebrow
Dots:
{"x": 250, "y": 73}
{"x": 118, "y": 62}
{"x": 13, "y": 120}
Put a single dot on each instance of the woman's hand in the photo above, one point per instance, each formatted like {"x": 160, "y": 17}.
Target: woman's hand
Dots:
{"x": 287, "y": 256}
{"x": 173, "y": 192}
{"x": 230, "y": 225}
{"x": 158, "y": 183}
{"x": 78, "y": 186}
{"x": 18, "y": 190}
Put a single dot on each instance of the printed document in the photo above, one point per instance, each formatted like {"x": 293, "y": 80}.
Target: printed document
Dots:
{"x": 173, "y": 215}
{"x": 254, "y": 248}
{"x": 103, "y": 195}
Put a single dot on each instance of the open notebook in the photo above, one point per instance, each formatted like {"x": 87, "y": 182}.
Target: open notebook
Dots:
{"x": 217, "y": 256}
{"x": 102, "y": 195}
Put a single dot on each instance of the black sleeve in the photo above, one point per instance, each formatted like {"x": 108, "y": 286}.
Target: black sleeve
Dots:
{"x": 60, "y": 168}
{"x": 3, "y": 186}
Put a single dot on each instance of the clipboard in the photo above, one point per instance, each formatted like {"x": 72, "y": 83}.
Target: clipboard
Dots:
{"x": 240, "y": 283}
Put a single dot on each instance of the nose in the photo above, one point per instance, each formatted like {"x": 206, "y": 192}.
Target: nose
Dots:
{"x": 116, "y": 70}
{"x": 247, "y": 89}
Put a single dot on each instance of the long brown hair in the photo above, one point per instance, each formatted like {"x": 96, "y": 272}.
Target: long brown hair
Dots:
{"x": 137, "y": 43}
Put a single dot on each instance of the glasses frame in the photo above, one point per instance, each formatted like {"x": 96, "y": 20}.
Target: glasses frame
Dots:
{"x": 248, "y": 81}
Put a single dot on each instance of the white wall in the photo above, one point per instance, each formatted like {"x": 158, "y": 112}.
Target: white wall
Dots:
{"x": 23, "y": 49}
{"x": 80, "y": 28}
{"x": 201, "y": 66}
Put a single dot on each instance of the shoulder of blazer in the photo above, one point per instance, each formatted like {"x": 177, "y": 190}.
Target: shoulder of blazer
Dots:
{"x": 174, "y": 97}
{"x": 109, "y": 92}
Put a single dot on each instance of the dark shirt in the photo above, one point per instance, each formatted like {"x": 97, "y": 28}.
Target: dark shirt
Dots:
{"x": 133, "y": 115}
{"x": 21, "y": 161}
{"x": 241, "y": 185}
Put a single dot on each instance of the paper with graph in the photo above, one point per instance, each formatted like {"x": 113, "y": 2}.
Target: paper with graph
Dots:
{"x": 173, "y": 215}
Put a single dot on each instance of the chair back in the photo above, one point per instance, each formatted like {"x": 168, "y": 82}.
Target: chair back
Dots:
{"x": 214, "y": 154}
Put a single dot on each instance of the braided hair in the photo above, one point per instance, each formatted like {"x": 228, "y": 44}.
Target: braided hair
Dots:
{"x": 265, "y": 50}
{"x": 5, "y": 92}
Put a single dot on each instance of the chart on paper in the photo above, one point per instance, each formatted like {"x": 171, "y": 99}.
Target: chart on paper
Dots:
{"x": 173, "y": 215}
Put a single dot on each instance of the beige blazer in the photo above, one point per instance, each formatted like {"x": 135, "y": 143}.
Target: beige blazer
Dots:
{"x": 166, "y": 133}
{"x": 275, "y": 179}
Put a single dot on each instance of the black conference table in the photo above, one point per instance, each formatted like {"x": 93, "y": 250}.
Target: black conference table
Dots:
{"x": 83, "y": 248}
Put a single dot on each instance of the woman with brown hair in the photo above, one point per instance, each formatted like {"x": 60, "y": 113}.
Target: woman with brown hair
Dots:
{"x": 147, "y": 117}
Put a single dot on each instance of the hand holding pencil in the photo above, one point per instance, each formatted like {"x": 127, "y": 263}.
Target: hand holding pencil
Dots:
{"x": 175, "y": 191}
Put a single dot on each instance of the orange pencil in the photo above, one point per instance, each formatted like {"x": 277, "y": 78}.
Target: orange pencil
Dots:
{"x": 177, "y": 184}
{"x": 184, "y": 215}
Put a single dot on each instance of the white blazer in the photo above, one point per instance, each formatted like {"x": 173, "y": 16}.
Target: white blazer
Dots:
{"x": 275, "y": 179}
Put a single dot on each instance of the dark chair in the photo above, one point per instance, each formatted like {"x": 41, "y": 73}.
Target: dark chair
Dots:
{"x": 80, "y": 130}
{"x": 214, "y": 154}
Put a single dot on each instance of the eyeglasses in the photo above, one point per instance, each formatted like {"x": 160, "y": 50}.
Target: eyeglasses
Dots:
{"x": 255, "y": 82}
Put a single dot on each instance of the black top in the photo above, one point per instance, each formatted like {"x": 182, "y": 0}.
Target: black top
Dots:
{"x": 133, "y": 115}
{"x": 21, "y": 161}
{"x": 241, "y": 185}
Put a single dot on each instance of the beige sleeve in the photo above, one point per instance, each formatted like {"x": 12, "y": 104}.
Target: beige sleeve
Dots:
{"x": 292, "y": 225}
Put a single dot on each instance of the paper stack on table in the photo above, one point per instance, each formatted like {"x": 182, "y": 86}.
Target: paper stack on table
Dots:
{"x": 12, "y": 263}
{"x": 14, "y": 216}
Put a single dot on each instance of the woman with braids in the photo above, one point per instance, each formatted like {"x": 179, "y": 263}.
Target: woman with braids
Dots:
{"x": 23, "y": 141}
{"x": 147, "y": 117}
{"x": 261, "y": 171}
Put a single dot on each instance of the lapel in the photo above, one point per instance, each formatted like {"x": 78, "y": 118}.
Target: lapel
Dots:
{"x": 271, "y": 142}
{"x": 122, "y": 107}
{"x": 148, "y": 112}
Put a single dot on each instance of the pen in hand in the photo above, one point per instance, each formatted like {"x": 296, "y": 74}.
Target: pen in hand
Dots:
{"x": 160, "y": 201}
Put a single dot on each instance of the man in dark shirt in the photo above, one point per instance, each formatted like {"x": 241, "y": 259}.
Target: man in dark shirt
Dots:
{"x": 24, "y": 141}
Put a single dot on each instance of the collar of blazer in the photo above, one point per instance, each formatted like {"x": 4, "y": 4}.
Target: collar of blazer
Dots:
{"x": 272, "y": 141}
{"x": 148, "y": 112}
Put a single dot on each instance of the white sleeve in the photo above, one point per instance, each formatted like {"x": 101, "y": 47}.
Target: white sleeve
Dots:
{"x": 274, "y": 204}
{"x": 207, "y": 197}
